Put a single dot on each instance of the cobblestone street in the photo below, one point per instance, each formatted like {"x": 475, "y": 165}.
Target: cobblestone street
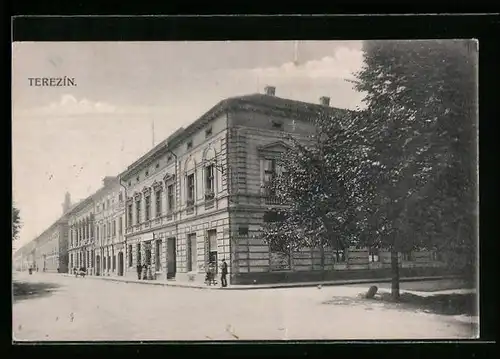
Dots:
{"x": 83, "y": 309}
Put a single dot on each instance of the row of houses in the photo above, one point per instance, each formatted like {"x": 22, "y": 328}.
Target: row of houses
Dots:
{"x": 197, "y": 197}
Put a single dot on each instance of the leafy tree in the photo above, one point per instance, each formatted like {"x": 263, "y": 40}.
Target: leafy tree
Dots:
{"x": 420, "y": 112}
{"x": 16, "y": 222}
{"x": 321, "y": 187}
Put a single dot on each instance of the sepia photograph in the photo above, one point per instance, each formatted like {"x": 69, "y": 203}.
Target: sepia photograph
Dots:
{"x": 245, "y": 190}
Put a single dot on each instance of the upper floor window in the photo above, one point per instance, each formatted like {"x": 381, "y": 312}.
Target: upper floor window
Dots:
{"x": 130, "y": 214}
{"x": 147, "y": 209}
{"x": 120, "y": 197}
{"x": 157, "y": 165}
{"x": 138, "y": 211}
{"x": 114, "y": 228}
{"x": 170, "y": 197}
{"x": 120, "y": 226}
{"x": 147, "y": 173}
{"x": 158, "y": 202}
{"x": 189, "y": 144}
{"x": 209, "y": 179}
{"x": 190, "y": 187}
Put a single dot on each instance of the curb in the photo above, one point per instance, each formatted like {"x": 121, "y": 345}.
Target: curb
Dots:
{"x": 273, "y": 286}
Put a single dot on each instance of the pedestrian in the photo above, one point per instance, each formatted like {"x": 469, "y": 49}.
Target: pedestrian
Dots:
{"x": 139, "y": 270}
{"x": 223, "y": 280}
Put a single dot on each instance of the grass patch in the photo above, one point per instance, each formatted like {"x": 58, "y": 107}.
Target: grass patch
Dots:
{"x": 24, "y": 290}
{"x": 444, "y": 304}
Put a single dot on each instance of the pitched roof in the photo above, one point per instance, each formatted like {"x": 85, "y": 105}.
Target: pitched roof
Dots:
{"x": 272, "y": 103}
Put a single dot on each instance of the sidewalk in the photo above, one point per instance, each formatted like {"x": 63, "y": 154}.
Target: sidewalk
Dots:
{"x": 173, "y": 283}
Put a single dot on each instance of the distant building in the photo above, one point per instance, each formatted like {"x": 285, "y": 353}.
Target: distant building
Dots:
{"x": 109, "y": 203}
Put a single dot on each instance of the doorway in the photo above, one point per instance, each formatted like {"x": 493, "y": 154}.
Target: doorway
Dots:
{"x": 192, "y": 255}
{"x": 98, "y": 265}
{"x": 171, "y": 258}
{"x": 120, "y": 263}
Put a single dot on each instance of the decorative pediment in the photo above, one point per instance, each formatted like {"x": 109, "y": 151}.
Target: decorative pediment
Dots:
{"x": 146, "y": 190}
{"x": 157, "y": 185}
{"x": 169, "y": 177}
{"x": 273, "y": 148}
{"x": 137, "y": 195}
{"x": 130, "y": 200}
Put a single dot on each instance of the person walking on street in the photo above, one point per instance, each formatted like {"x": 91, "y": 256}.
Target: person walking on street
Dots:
{"x": 223, "y": 279}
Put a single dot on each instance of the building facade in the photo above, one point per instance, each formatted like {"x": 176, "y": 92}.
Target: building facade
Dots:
{"x": 51, "y": 253}
{"x": 81, "y": 239}
{"x": 109, "y": 228}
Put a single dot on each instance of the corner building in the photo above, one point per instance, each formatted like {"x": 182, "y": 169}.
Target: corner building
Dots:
{"x": 200, "y": 195}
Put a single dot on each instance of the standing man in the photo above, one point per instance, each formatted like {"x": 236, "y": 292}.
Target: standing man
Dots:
{"x": 223, "y": 280}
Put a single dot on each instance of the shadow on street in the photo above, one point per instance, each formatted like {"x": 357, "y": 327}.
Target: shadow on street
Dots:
{"x": 29, "y": 290}
{"x": 442, "y": 304}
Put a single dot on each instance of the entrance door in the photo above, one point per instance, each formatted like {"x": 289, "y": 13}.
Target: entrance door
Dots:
{"x": 120, "y": 263}
{"x": 171, "y": 258}
{"x": 98, "y": 265}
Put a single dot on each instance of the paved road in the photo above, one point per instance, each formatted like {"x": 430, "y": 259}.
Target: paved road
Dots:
{"x": 83, "y": 309}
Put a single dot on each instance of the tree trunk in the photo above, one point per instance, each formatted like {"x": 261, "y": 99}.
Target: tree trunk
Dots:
{"x": 322, "y": 250}
{"x": 395, "y": 274}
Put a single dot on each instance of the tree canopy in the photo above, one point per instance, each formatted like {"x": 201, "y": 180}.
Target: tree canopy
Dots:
{"x": 16, "y": 222}
{"x": 401, "y": 173}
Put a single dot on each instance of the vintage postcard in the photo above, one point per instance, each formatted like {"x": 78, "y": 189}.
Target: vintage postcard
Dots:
{"x": 245, "y": 190}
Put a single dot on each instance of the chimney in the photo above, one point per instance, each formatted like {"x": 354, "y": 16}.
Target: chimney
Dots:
{"x": 324, "y": 100}
{"x": 270, "y": 90}
{"x": 67, "y": 202}
{"x": 106, "y": 181}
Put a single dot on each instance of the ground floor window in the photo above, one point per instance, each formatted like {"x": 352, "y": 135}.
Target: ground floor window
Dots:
{"x": 130, "y": 256}
{"x": 139, "y": 259}
{"x": 158, "y": 255}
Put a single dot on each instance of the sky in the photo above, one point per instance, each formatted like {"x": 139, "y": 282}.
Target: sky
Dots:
{"x": 69, "y": 138}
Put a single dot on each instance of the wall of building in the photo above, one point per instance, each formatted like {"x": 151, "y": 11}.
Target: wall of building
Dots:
{"x": 208, "y": 145}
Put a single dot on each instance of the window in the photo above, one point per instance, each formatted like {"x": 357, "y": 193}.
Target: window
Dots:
{"x": 137, "y": 178}
{"x": 138, "y": 211}
{"x": 243, "y": 231}
{"x": 208, "y": 132}
{"x": 147, "y": 173}
{"x": 130, "y": 211}
{"x": 269, "y": 174}
{"x": 158, "y": 203}
{"x": 109, "y": 229}
{"x": 120, "y": 226}
{"x": 277, "y": 125}
{"x": 209, "y": 181}
{"x": 130, "y": 256}
{"x": 107, "y": 203}
{"x": 169, "y": 158}
{"x": 170, "y": 197}
{"x": 105, "y": 233}
{"x": 114, "y": 228}
{"x": 157, "y": 165}
{"x": 189, "y": 144}
{"x": 147, "y": 210}
{"x": 129, "y": 183}
{"x": 120, "y": 197}
{"x": 190, "y": 188}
